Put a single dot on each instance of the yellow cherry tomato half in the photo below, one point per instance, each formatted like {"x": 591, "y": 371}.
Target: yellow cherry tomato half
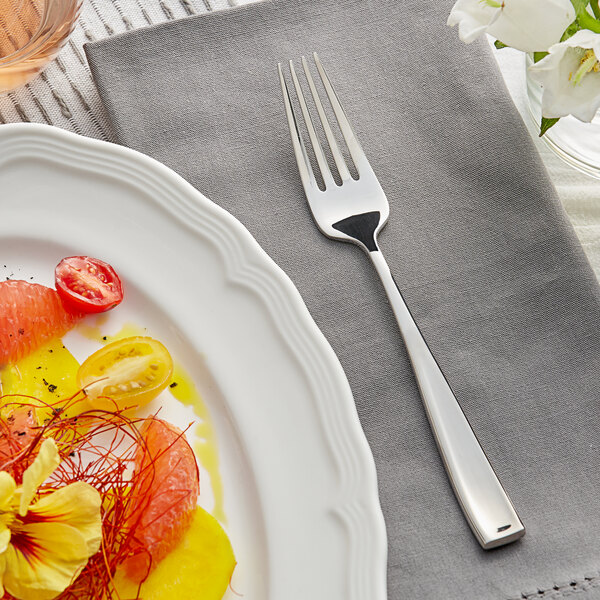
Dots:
{"x": 127, "y": 373}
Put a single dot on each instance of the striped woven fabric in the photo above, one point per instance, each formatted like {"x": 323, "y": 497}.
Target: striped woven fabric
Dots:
{"x": 64, "y": 94}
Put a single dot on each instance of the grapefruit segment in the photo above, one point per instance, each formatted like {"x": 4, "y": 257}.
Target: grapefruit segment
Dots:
{"x": 19, "y": 426}
{"x": 30, "y": 315}
{"x": 164, "y": 496}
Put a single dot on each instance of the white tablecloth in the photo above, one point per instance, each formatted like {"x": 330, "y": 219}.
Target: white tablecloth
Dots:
{"x": 579, "y": 193}
{"x": 65, "y": 96}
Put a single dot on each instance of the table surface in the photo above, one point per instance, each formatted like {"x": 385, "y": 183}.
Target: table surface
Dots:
{"x": 579, "y": 193}
{"x": 65, "y": 96}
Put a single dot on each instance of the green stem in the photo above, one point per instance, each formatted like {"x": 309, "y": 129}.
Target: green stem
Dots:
{"x": 596, "y": 8}
{"x": 588, "y": 22}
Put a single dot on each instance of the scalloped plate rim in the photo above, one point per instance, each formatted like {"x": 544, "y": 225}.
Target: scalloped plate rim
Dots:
{"x": 371, "y": 582}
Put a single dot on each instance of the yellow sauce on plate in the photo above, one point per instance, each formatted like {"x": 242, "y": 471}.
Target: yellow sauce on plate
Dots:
{"x": 205, "y": 447}
{"x": 48, "y": 375}
{"x": 184, "y": 390}
{"x": 201, "y": 566}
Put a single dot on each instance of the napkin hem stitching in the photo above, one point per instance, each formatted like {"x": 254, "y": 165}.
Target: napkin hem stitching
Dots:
{"x": 562, "y": 590}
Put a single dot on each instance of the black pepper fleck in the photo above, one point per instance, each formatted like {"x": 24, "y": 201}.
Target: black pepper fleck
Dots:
{"x": 174, "y": 384}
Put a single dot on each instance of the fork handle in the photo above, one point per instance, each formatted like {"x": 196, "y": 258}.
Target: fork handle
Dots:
{"x": 486, "y": 505}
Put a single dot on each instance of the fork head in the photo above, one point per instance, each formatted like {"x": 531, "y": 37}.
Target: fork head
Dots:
{"x": 356, "y": 209}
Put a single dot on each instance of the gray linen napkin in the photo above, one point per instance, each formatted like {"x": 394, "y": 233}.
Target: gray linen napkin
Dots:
{"x": 477, "y": 240}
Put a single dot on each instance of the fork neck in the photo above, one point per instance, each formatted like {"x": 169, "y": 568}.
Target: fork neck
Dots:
{"x": 362, "y": 228}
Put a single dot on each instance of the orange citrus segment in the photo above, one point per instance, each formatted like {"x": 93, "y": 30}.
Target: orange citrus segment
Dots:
{"x": 164, "y": 496}
{"x": 200, "y": 567}
{"x": 19, "y": 428}
{"x": 30, "y": 314}
{"x": 46, "y": 377}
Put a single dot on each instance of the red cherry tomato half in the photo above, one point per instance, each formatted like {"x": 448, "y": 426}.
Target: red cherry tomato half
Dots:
{"x": 87, "y": 284}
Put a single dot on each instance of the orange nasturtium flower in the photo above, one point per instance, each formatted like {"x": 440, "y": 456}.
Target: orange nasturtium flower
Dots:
{"x": 44, "y": 545}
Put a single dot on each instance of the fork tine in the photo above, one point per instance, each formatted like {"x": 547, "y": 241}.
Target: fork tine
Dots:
{"x": 358, "y": 156}
{"x": 306, "y": 173}
{"x": 316, "y": 144}
{"x": 338, "y": 157}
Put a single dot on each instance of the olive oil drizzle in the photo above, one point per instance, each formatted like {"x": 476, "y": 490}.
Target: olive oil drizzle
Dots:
{"x": 205, "y": 447}
{"x": 183, "y": 389}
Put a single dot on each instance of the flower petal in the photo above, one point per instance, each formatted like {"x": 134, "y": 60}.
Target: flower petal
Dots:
{"x": 7, "y": 490}
{"x": 514, "y": 25}
{"x": 43, "y": 559}
{"x": 473, "y": 17}
{"x": 78, "y": 505}
{"x": 560, "y": 95}
{"x": 7, "y": 499}
{"x": 510, "y": 21}
{"x": 4, "y": 538}
{"x": 2, "y": 569}
{"x": 42, "y": 467}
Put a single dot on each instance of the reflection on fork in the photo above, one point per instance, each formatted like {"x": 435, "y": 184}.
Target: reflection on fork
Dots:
{"x": 356, "y": 210}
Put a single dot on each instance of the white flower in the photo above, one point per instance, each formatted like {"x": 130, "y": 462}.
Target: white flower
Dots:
{"x": 570, "y": 77}
{"x": 527, "y": 25}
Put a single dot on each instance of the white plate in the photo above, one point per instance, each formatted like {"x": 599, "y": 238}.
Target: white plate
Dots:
{"x": 299, "y": 480}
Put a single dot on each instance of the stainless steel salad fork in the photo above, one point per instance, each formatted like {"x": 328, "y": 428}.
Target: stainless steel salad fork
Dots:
{"x": 355, "y": 211}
